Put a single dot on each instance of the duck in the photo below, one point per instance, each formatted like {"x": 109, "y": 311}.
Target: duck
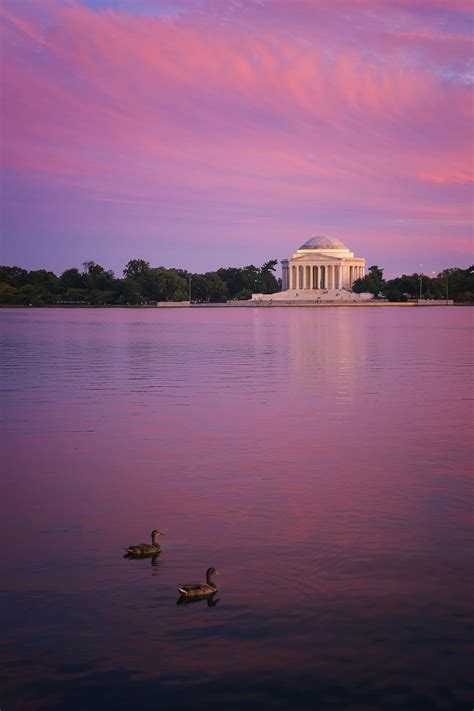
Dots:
{"x": 201, "y": 589}
{"x": 152, "y": 548}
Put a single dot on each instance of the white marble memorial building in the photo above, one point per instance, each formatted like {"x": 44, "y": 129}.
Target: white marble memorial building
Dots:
{"x": 321, "y": 263}
{"x": 322, "y": 269}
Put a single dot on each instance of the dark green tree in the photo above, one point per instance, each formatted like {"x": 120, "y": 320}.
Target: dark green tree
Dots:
{"x": 160, "y": 284}
{"x": 128, "y": 292}
{"x": 268, "y": 282}
{"x": 208, "y": 287}
{"x": 46, "y": 279}
{"x": 97, "y": 278}
{"x": 14, "y": 276}
{"x": 71, "y": 279}
{"x": 373, "y": 282}
{"x": 137, "y": 269}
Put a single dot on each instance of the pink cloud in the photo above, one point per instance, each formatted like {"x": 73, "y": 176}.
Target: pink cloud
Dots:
{"x": 141, "y": 111}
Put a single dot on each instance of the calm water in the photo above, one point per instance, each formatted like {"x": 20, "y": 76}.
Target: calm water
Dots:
{"x": 319, "y": 458}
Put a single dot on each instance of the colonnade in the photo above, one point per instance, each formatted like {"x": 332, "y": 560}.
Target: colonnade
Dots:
{"x": 329, "y": 276}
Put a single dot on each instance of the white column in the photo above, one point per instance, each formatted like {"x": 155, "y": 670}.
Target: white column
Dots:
{"x": 311, "y": 277}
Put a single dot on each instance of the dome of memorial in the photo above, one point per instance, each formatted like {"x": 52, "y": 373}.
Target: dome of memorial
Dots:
{"x": 322, "y": 242}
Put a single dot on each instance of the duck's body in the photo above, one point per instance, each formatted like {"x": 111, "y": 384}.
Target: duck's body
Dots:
{"x": 141, "y": 549}
{"x": 200, "y": 589}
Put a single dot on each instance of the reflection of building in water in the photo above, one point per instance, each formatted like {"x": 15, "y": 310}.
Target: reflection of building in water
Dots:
{"x": 322, "y": 269}
{"x": 326, "y": 354}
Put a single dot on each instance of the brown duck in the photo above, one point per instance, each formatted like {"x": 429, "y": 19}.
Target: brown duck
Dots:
{"x": 146, "y": 548}
{"x": 200, "y": 589}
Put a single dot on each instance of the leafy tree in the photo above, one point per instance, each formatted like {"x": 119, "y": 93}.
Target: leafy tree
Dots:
{"x": 394, "y": 295}
{"x": 71, "y": 279}
{"x": 15, "y": 276}
{"x": 96, "y": 277}
{"x": 268, "y": 281}
{"x": 41, "y": 277}
{"x": 128, "y": 292}
{"x": 8, "y": 294}
{"x": 162, "y": 285}
{"x": 459, "y": 283}
{"x": 208, "y": 287}
{"x": 373, "y": 282}
{"x": 32, "y": 294}
{"x": 407, "y": 285}
{"x": 450, "y": 282}
{"x": 241, "y": 283}
{"x": 233, "y": 278}
{"x": 136, "y": 269}
{"x": 74, "y": 296}
{"x": 180, "y": 295}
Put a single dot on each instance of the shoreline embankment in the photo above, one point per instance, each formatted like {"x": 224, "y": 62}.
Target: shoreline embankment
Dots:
{"x": 244, "y": 304}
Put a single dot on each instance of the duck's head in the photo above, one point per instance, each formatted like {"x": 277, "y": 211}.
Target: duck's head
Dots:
{"x": 210, "y": 572}
{"x": 156, "y": 533}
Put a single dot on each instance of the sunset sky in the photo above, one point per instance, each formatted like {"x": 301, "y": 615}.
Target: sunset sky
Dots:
{"x": 207, "y": 133}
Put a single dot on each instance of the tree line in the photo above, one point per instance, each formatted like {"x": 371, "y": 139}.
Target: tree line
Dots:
{"x": 140, "y": 284}
{"x": 453, "y": 283}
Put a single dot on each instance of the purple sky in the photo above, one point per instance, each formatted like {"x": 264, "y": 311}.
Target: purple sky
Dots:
{"x": 207, "y": 133}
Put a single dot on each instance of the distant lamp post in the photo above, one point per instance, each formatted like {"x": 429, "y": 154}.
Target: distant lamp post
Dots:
{"x": 421, "y": 284}
{"x": 190, "y": 280}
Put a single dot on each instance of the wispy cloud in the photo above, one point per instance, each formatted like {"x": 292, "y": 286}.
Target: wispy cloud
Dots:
{"x": 325, "y": 108}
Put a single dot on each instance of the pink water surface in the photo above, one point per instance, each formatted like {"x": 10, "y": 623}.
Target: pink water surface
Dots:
{"x": 321, "y": 459}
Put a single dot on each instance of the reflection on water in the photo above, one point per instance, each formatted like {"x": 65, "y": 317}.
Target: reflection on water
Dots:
{"x": 211, "y": 600}
{"x": 321, "y": 457}
{"x": 153, "y": 557}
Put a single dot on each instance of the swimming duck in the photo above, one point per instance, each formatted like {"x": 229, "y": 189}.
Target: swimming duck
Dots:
{"x": 200, "y": 589}
{"x": 146, "y": 548}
